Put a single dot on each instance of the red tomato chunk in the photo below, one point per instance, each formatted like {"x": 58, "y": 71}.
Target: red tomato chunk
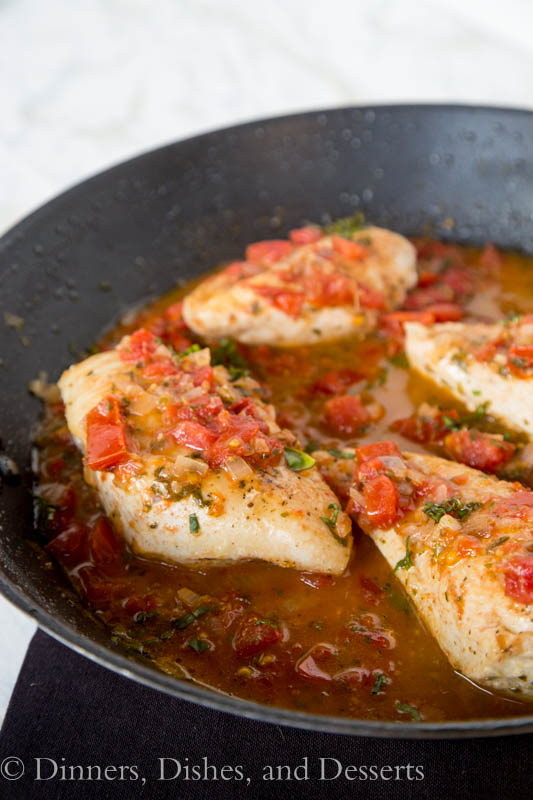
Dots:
{"x": 519, "y": 579}
{"x": 106, "y": 435}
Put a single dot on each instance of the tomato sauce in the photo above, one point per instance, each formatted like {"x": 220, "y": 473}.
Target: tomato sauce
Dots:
{"x": 350, "y": 645}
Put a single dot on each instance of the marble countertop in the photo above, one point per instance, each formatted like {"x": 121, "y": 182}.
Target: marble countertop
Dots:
{"x": 87, "y": 84}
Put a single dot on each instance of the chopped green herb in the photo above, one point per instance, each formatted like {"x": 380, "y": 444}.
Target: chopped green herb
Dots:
{"x": 332, "y": 524}
{"x": 200, "y": 645}
{"x": 453, "y": 507}
{"x": 380, "y": 682}
{"x": 346, "y": 226}
{"x": 189, "y": 350}
{"x": 44, "y": 513}
{"x": 297, "y": 460}
{"x": 194, "y": 525}
{"x": 340, "y": 453}
{"x": 227, "y": 354}
{"x": 400, "y": 360}
{"x": 311, "y": 446}
{"x": 188, "y": 619}
{"x": 403, "y": 708}
{"x": 142, "y": 616}
{"x": 405, "y": 562}
{"x": 497, "y": 543}
{"x": 272, "y": 621}
{"x": 188, "y": 490}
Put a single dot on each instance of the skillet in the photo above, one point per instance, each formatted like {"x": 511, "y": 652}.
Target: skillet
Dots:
{"x": 463, "y": 172}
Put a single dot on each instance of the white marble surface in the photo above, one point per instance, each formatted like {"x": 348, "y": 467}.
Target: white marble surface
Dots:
{"x": 86, "y": 84}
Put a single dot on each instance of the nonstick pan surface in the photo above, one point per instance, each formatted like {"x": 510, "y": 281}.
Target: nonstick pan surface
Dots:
{"x": 465, "y": 173}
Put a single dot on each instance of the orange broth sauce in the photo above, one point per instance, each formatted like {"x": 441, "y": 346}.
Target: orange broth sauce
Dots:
{"x": 364, "y": 617}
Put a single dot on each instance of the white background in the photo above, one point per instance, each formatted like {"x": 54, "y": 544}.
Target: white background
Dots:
{"x": 86, "y": 83}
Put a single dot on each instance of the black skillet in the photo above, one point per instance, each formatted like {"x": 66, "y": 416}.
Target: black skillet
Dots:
{"x": 173, "y": 213}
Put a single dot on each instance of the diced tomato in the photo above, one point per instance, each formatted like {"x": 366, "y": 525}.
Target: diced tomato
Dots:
{"x": 491, "y": 258}
{"x": 138, "y": 605}
{"x": 519, "y": 579}
{"x": 479, "y": 450}
{"x": 98, "y": 590}
{"x": 520, "y": 359}
{"x": 331, "y": 289}
{"x": 314, "y": 663}
{"x": 487, "y": 351}
{"x": 427, "y": 278}
{"x": 459, "y": 279}
{"x": 370, "y": 298}
{"x": 70, "y": 545}
{"x": 381, "y": 501}
{"x": 106, "y": 435}
{"x": 203, "y": 375}
{"x": 369, "y": 452}
{"x": 239, "y": 270}
{"x": 424, "y": 429}
{"x": 305, "y": 235}
{"x": 420, "y": 298}
{"x": 346, "y": 414}
{"x": 160, "y": 366}
{"x": 372, "y": 593}
{"x": 141, "y": 346}
{"x": 445, "y": 312}
{"x": 269, "y": 251}
{"x": 346, "y": 248}
{"x": 336, "y": 381}
{"x": 316, "y": 580}
{"x": 424, "y": 317}
{"x": 431, "y": 248}
{"x": 517, "y": 504}
{"x": 255, "y": 635}
{"x": 287, "y": 300}
{"x": 55, "y": 467}
{"x": 467, "y": 546}
{"x": 104, "y": 544}
{"x": 194, "y": 435}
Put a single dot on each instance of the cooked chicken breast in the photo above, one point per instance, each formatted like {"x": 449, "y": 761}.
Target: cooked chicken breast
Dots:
{"x": 325, "y": 290}
{"x": 479, "y": 364}
{"x": 191, "y": 466}
{"x": 461, "y": 543}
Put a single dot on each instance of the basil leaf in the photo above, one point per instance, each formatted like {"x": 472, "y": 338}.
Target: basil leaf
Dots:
{"x": 297, "y": 460}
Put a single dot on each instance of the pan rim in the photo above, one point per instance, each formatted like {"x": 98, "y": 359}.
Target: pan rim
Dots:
{"x": 148, "y": 676}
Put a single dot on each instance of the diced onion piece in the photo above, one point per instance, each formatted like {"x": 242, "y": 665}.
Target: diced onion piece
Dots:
{"x": 238, "y": 468}
{"x": 186, "y": 464}
{"x": 189, "y": 597}
{"x": 142, "y": 404}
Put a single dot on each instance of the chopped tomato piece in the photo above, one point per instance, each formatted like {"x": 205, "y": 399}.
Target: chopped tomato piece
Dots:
{"x": 368, "y": 452}
{"x": 269, "y": 251}
{"x": 255, "y": 635}
{"x": 349, "y": 249}
{"x": 479, "y": 450}
{"x": 141, "y": 346}
{"x": 427, "y": 278}
{"x": 306, "y": 235}
{"x": 192, "y": 434}
{"x": 445, "y": 312}
{"x": 336, "y": 381}
{"x": 311, "y": 664}
{"x": 372, "y": 593}
{"x": 158, "y": 367}
{"x": 516, "y": 505}
{"x": 370, "y": 298}
{"x": 381, "y": 500}
{"x": 106, "y": 435}
{"x": 519, "y": 579}
{"x": 71, "y": 544}
{"x": 487, "y": 351}
{"x": 424, "y": 317}
{"x": 346, "y": 414}
{"x": 242, "y": 269}
{"x": 520, "y": 358}
{"x": 420, "y": 298}
{"x": 104, "y": 544}
{"x": 287, "y": 300}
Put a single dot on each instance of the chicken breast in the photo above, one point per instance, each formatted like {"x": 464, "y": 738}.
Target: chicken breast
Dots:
{"x": 479, "y": 364}
{"x": 326, "y": 290}
{"x": 461, "y": 543}
{"x": 192, "y": 467}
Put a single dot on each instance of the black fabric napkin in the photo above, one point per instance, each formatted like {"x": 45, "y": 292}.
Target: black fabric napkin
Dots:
{"x": 73, "y": 715}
